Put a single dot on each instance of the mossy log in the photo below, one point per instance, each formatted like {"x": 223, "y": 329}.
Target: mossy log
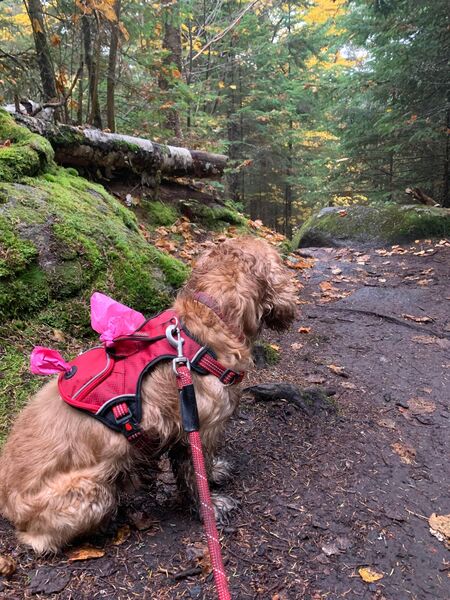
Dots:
{"x": 120, "y": 155}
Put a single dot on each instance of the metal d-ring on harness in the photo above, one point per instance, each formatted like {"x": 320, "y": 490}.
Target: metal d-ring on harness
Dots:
{"x": 191, "y": 425}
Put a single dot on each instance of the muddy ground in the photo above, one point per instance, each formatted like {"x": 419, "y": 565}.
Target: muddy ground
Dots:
{"x": 350, "y": 487}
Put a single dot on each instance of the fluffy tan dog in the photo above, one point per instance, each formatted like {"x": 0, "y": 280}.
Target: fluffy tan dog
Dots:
{"x": 59, "y": 468}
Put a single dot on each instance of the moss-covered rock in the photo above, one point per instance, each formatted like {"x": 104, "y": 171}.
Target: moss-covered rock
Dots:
{"x": 22, "y": 153}
{"x": 62, "y": 236}
{"x": 213, "y": 217}
{"x": 160, "y": 213}
{"x": 387, "y": 223}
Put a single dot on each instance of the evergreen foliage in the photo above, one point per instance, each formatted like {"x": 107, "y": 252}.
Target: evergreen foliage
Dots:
{"x": 317, "y": 102}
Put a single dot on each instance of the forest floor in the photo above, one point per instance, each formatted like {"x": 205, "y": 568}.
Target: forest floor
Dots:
{"x": 327, "y": 502}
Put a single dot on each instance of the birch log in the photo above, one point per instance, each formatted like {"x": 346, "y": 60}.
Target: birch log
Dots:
{"x": 123, "y": 154}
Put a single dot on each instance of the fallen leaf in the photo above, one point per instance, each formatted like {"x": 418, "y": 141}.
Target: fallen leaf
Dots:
{"x": 325, "y": 286}
{"x": 7, "y": 566}
{"x": 369, "y": 575}
{"x": 338, "y": 370}
{"x": 421, "y": 406}
{"x": 425, "y": 339}
{"x": 296, "y": 346}
{"x": 440, "y": 527}
{"x": 304, "y": 330}
{"x": 407, "y": 453}
{"x": 336, "y": 271}
{"x": 123, "y": 533}
{"x": 85, "y": 553}
{"x": 418, "y": 319}
{"x": 58, "y": 335}
{"x": 274, "y": 347}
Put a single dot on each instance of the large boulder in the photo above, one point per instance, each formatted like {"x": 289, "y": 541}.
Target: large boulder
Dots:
{"x": 387, "y": 223}
{"x": 62, "y": 236}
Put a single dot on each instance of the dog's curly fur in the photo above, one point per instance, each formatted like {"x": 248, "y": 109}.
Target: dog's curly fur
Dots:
{"x": 60, "y": 467}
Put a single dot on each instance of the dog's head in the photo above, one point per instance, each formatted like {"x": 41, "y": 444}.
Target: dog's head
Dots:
{"x": 249, "y": 281}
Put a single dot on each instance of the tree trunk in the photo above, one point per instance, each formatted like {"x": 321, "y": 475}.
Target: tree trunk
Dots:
{"x": 446, "y": 186}
{"x": 171, "y": 61}
{"x": 43, "y": 56}
{"x": 123, "y": 155}
{"x": 94, "y": 115}
{"x": 111, "y": 77}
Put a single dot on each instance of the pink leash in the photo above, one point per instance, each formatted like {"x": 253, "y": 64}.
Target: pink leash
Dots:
{"x": 191, "y": 425}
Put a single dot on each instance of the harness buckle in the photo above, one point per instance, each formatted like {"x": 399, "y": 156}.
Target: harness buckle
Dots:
{"x": 124, "y": 419}
{"x": 180, "y": 360}
{"x": 236, "y": 377}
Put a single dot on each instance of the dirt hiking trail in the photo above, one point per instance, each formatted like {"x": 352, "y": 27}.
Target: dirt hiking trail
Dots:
{"x": 333, "y": 505}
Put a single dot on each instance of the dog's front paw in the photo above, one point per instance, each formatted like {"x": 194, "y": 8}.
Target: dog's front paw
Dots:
{"x": 221, "y": 471}
{"x": 223, "y": 507}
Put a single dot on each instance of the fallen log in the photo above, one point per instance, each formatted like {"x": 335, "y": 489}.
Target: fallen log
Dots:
{"x": 123, "y": 155}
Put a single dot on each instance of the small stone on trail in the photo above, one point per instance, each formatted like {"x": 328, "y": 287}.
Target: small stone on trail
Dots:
{"x": 47, "y": 580}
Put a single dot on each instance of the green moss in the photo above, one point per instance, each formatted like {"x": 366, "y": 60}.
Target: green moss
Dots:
{"x": 25, "y": 292}
{"x": 270, "y": 355}
{"x": 213, "y": 217}
{"x": 159, "y": 213}
{"x": 175, "y": 271}
{"x": 65, "y": 236}
{"x": 15, "y": 253}
{"x": 28, "y": 154}
{"x": 389, "y": 223}
{"x": 71, "y": 316}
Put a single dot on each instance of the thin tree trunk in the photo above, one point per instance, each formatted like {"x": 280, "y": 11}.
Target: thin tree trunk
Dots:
{"x": 44, "y": 59}
{"x": 93, "y": 116}
{"x": 112, "y": 62}
{"x": 172, "y": 46}
{"x": 446, "y": 186}
{"x": 288, "y": 185}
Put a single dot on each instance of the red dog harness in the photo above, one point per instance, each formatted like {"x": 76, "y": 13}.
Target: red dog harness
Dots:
{"x": 106, "y": 381}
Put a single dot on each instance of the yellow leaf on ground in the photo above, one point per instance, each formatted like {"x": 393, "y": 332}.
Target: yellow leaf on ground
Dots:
{"x": 304, "y": 330}
{"x": 274, "y": 347}
{"x": 369, "y": 575}
{"x": 123, "y": 533}
{"x": 85, "y": 553}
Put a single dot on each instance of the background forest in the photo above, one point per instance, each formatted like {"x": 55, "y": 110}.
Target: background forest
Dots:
{"x": 326, "y": 102}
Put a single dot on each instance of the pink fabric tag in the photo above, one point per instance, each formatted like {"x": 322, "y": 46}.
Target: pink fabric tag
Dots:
{"x": 112, "y": 319}
{"x": 45, "y": 361}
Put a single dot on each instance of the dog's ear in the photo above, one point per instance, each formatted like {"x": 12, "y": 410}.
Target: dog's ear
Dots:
{"x": 279, "y": 302}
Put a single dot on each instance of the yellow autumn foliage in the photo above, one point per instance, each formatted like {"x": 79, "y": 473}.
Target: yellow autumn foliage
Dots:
{"x": 322, "y": 10}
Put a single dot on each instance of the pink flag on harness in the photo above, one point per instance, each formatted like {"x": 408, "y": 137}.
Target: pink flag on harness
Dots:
{"x": 45, "y": 361}
{"x": 112, "y": 319}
